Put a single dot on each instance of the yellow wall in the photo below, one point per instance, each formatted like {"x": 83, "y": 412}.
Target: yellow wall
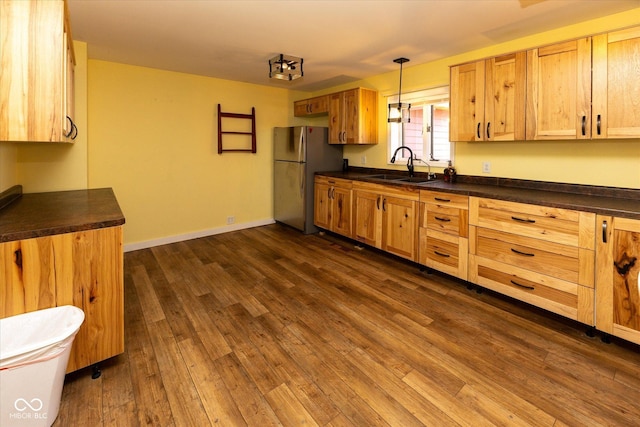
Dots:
{"x": 154, "y": 140}
{"x": 607, "y": 163}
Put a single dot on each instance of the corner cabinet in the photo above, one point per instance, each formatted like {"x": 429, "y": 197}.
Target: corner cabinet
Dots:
{"x": 84, "y": 269}
{"x": 444, "y": 232}
{"x": 616, "y": 84}
{"x": 37, "y": 66}
{"x": 353, "y": 117}
{"x": 488, "y": 99}
{"x": 332, "y": 205}
{"x": 386, "y": 217}
{"x": 617, "y": 277}
{"x": 541, "y": 255}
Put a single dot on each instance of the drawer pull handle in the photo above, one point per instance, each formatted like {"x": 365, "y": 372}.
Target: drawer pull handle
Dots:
{"x": 522, "y": 253}
{"x": 530, "y": 221}
{"x": 441, "y": 254}
{"x": 442, "y": 219}
{"x": 18, "y": 258}
{"x": 442, "y": 200}
{"x": 522, "y": 286}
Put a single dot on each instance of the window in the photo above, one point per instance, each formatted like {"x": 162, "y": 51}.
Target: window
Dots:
{"x": 428, "y": 132}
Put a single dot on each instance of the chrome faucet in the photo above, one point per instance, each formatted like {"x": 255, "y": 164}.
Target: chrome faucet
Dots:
{"x": 409, "y": 162}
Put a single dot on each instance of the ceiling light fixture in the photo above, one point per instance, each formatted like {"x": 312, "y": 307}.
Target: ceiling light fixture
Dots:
{"x": 285, "y": 67}
{"x": 399, "y": 112}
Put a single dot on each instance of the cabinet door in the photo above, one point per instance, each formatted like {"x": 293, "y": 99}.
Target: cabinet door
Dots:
{"x": 336, "y": 119}
{"x": 29, "y": 272}
{"x": 505, "y": 88}
{"x": 97, "y": 288}
{"x": 300, "y": 108}
{"x": 341, "y": 217}
{"x": 368, "y": 225}
{"x": 466, "y": 116}
{"x": 350, "y": 102}
{"x": 322, "y": 205}
{"x": 616, "y": 84}
{"x": 559, "y": 91}
{"x": 617, "y": 277}
{"x": 400, "y": 227}
{"x": 32, "y": 88}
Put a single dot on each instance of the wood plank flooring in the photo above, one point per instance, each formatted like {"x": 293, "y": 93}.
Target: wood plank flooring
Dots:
{"x": 268, "y": 326}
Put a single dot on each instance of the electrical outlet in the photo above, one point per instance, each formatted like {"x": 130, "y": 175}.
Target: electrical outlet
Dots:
{"x": 486, "y": 167}
{"x": 231, "y": 220}
{"x": 363, "y": 160}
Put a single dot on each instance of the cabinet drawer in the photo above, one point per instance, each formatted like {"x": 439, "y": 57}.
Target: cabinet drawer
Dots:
{"x": 553, "y": 259}
{"x": 444, "y": 252}
{"x": 435, "y": 251}
{"x": 446, "y": 219}
{"x": 557, "y": 225}
{"x": 338, "y": 182}
{"x": 444, "y": 199}
{"x": 558, "y": 296}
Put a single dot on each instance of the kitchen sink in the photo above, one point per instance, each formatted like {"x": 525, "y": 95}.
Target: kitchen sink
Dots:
{"x": 384, "y": 177}
{"x": 400, "y": 178}
{"x": 416, "y": 179}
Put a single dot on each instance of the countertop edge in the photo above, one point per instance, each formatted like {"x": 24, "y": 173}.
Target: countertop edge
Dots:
{"x": 524, "y": 192}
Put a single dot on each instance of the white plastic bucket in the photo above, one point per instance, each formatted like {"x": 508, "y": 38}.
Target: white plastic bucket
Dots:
{"x": 34, "y": 352}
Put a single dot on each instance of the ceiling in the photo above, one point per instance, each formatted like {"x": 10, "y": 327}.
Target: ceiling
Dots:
{"x": 340, "y": 40}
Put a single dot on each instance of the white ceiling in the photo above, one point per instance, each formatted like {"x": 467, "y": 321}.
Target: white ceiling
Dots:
{"x": 340, "y": 40}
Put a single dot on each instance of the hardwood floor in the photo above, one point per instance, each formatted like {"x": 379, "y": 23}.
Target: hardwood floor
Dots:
{"x": 268, "y": 326}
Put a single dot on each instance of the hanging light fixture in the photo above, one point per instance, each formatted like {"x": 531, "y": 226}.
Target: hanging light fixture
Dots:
{"x": 399, "y": 112}
{"x": 285, "y": 67}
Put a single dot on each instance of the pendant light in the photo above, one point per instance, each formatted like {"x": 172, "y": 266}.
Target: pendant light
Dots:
{"x": 399, "y": 112}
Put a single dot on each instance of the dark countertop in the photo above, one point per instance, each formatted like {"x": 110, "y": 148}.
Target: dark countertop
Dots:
{"x": 43, "y": 214}
{"x": 621, "y": 202}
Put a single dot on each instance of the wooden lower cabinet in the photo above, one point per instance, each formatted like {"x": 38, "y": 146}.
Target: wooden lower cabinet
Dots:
{"x": 332, "y": 205}
{"x": 443, "y": 232}
{"x": 617, "y": 277}
{"x": 541, "y": 255}
{"x": 387, "y": 218}
{"x": 84, "y": 269}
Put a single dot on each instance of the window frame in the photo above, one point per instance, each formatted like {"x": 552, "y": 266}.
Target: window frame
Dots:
{"x": 424, "y": 97}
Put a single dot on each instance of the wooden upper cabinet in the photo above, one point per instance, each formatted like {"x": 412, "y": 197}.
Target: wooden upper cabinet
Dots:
{"x": 311, "y": 107}
{"x": 559, "y": 91}
{"x": 616, "y": 84}
{"x": 466, "y": 102}
{"x": 505, "y": 80}
{"x": 36, "y": 72}
{"x": 488, "y": 99}
{"x": 353, "y": 117}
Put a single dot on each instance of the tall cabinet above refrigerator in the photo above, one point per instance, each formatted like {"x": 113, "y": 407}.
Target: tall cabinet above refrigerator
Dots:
{"x": 299, "y": 152}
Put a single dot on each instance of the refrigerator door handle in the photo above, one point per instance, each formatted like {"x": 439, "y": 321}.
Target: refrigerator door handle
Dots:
{"x": 302, "y": 179}
{"x": 301, "y": 156}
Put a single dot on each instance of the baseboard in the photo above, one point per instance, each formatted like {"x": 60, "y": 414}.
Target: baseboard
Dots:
{"x": 195, "y": 235}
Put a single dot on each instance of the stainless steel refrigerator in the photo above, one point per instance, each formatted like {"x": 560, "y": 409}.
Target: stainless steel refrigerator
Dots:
{"x": 299, "y": 152}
